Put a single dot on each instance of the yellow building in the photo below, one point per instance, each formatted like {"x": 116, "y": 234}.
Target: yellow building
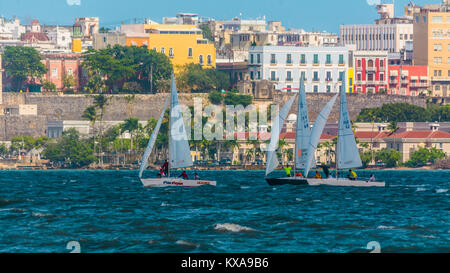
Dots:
{"x": 183, "y": 44}
{"x": 432, "y": 45}
{"x": 350, "y": 80}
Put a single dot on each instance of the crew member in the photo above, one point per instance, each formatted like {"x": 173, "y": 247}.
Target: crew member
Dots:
{"x": 352, "y": 175}
{"x": 288, "y": 169}
{"x": 165, "y": 168}
{"x": 318, "y": 175}
{"x": 184, "y": 175}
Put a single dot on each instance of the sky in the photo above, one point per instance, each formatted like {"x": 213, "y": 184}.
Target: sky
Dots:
{"x": 317, "y": 15}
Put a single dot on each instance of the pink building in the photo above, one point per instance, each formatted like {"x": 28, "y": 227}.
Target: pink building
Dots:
{"x": 60, "y": 66}
{"x": 409, "y": 80}
{"x": 370, "y": 68}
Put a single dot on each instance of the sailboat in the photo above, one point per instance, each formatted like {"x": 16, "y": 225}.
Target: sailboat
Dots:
{"x": 303, "y": 135}
{"x": 179, "y": 151}
{"x": 347, "y": 154}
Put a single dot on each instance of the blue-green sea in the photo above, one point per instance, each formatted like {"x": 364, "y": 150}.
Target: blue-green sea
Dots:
{"x": 110, "y": 211}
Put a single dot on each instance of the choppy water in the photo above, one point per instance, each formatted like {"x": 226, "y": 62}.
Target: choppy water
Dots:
{"x": 110, "y": 211}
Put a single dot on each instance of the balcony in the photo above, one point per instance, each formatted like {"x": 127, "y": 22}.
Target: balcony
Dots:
{"x": 316, "y": 79}
{"x": 382, "y": 69}
{"x": 359, "y": 68}
{"x": 395, "y": 81}
{"x": 404, "y": 82}
{"x": 289, "y": 63}
{"x": 360, "y": 82}
{"x": 328, "y": 63}
{"x": 289, "y": 79}
{"x": 419, "y": 84}
{"x": 341, "y": 64}
{"x": 274, "y": 79}
{"x": 316, "y": 63}
{"x": 372, "y": 69}
{"x": 273, "y": 62}
{"x": 328, "y": 79}
{"x": 440, "y": 78}
{"x": 302, "y": 63}
{"x": 372, "y": 82}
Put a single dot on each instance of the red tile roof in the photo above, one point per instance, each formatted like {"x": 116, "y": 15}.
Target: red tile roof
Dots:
{"x": 421, "y": 134}
{"x": 291, "y": 135}
{"x": 35, "y": 37}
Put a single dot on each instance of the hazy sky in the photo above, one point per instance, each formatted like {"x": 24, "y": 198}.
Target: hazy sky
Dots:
{"x": 306, "y": 14}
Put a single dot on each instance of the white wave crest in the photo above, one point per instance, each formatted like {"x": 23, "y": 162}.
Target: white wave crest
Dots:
{"x": 233, "y": 228}
{"x": 186, "y": 243}
{"x": 385, "y": 227}
{"x": 441, "y": 190}
{"x": 421, "y": 189}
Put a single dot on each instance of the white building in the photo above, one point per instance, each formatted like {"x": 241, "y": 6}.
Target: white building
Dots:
{"x": 61, "y": 37}
{"x": 392, "y": 38}
{"x": 11, "y": 29}
{"x": 323, "y": 67}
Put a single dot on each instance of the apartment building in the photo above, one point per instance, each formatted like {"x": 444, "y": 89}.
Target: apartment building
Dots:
{"x": 387, "y": 34}
{"x": 432, "y": 45}
{"x": 409, "y": 80}
{"x": 183, "y": 44}
{"x": 370, "y": 69}
{"x": 324, "y": 68}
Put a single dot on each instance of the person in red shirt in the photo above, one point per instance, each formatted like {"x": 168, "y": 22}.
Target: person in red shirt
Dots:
{"x": 184, "y": 175}
{"x": 165, "y": 168}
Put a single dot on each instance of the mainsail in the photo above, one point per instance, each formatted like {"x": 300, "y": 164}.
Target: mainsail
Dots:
{"x": 319, "y": 125}
{"x": 347, "y": 151}
{"x": 179, "y": 152}
{"x": 151, "y": 142}
{"x": 303, "y": 131}
{"x": 277, "y": 126}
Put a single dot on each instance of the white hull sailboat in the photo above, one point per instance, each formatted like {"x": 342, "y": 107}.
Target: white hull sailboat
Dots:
{"x": 347, "y": 154}
{"x": 175, "y": 182}
{"x": 179, "y": 152}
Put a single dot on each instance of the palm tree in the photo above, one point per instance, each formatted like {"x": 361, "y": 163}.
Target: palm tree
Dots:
{"x": 254, "y": 144}
{"x": 130, "y": 125}
{"x": 100, "y": 102}
{"x": 233, "y": 144}
{"x": 90, "y": 114}
{"x": 393, "y": 127}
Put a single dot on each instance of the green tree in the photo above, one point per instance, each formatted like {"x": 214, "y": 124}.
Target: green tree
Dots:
{"x": 48, "y": 86}
{"x": 366, "y": 158}
{"x": 193, "y": 77}
{"x": 130, "y": 125}
{"x": 423, "y": 156}
{"x": 71, "y": 150}
{"x": 68, "y": 82}
{"x": 21, "y": 63}
{"x": 232, "y": 98}
{"x": 390, "y": 157}
{"x": 215, "y": 97}
{"x": 207, "y": 34}
{"x": 403, "y": 112}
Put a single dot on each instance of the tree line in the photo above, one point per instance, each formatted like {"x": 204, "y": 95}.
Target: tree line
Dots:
{"x": 403, "y": 112}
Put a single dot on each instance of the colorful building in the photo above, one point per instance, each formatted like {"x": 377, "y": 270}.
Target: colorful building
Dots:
{"x": 409, "y": 80}
{"x": 432, "y": 45}
{"x": 183, "y": 44}
{"x": 370, "y": 68}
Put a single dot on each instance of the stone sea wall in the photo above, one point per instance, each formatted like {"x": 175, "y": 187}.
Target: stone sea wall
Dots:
{"x": 120, "y": 107}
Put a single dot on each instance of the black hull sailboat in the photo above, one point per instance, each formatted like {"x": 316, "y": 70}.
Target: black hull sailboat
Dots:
{"x": 287, "y": 181}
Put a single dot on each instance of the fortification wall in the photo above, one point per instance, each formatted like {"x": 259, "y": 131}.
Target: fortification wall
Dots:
{"x": 52, "y": 107}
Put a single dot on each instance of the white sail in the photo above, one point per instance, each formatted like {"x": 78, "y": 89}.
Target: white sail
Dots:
{"x": 303, "y": 131}
{"x": 179, "y": 152}
{"x": 319, "y": 125}
{"x": 347, "y": 151}
{"x": 151, "y": 142}
{"x": 277, "y": 126}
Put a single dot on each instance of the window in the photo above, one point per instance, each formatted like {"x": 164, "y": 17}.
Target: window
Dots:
{"x": 289, "y": 88}
{"x": 437, "y": 47}
{"x": 350, "y": 81}
{"x": 381, "y": 77}
{"x": 316, "y": 76}
{"x": 358, "y": 77}
{"x": 436, "y": 19}
{"x": 251, "y": 75}
{"x": 171, "y": 52}
{"x": 288, "y": 76}
{"x": 316, "y": 88}
{"x": 154, "y": 49}
{"x": 273, "y": 75}
{"x": 382, "y": 63}
{"x": 258, "y": 58}
{"x": 209, "y": 60}
{"x": 303, "y": 58}
{"x": 190, "y": 52}
{"x": 316, "y": 58}
{"x": 251, "y": 58}
{"x": 200, "y": 59}
{"x": 370, "y": 63}
{"x": 341, "y": 75}
{"x": 328, "y": 79}
{"x": 341, "y": 59}
{"x": 328, "y": 88}
{"x": 259, "y": 75}
{"x": 424, "y": 19}
{"x": 70, "y": 71}
{"x": 437, "y": 60}
{"x": 289, "y": 58}
{"x": 273, "y": 59}
{"x": 163, "y": 50}
{"x": 359, "y": 63}
{"x": 417, "y": 19}
{"x": 54, "y": 72}
{"x": 328, "y": 59}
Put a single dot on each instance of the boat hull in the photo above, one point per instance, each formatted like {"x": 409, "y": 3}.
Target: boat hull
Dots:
{"x": 175, "y": 182}
{"x": 342, "y": 182}
{"x": 286, "y": 181}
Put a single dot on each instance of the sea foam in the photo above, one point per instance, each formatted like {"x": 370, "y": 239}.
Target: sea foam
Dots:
{"x": 233, "y": 228}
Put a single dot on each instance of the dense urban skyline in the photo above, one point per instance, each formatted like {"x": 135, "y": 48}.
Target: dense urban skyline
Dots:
{"x": 318, "y": 15}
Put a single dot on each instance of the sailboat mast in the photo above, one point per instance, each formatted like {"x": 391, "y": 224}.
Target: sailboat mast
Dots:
{"x": 337, "y": 145}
